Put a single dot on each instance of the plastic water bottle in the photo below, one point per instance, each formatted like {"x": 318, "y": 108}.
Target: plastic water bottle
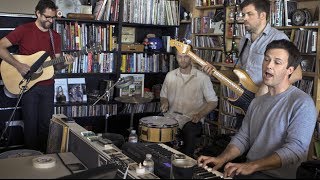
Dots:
{"x": 148, "y": 163}
{"x": 133, "y": 137}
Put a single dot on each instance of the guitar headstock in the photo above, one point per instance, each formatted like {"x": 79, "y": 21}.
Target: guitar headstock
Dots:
{"x": 181, "y": 47}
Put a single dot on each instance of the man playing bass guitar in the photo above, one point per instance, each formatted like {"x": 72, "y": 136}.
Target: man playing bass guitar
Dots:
{"x": 259, "y": 35}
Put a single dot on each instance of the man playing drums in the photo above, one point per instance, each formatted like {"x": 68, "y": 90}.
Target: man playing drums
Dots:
{"x": 188, "y": 92}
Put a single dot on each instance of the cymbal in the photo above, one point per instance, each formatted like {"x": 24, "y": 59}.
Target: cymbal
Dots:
{"x": 132, "y": 99}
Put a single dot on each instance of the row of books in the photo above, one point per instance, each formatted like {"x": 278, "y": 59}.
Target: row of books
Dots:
{"x": 230, "y": 121}
{"x": 210, "y": 130}
{"x": 143, "y": 62}
{"x": 77, "y": 35}
{"x": 92, "y": 63}
{"x": 87, "y": 110}
{"x": 208, "y": 41}
{"x": 305, "y": 85}
{"x": 236, "y": 30}
{"x": 159, "y": 12}
{"x": 281, "y": 12}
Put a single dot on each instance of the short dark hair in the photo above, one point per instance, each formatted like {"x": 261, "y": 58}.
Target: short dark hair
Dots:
{"x": 260, "y": 5}
{"x": 294, "y": 58}
{"x": 44, "y": 4}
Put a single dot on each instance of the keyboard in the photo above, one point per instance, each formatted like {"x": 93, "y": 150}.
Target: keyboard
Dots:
{"x": 161, "y": 155}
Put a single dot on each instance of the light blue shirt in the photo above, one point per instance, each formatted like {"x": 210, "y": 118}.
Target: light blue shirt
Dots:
{"x": 281, "y": 124}
{"x": 253, "y": 54}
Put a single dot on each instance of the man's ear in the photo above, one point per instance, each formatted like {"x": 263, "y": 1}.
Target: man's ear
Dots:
{"x": 290, "y": 70}
{"x": 263, "y": 15}
{"x": 37, "y": 13}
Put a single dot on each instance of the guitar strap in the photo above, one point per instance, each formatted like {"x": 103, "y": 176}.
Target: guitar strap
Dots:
{"x": 52, "y": 43}
{"x": 244, "y": 46}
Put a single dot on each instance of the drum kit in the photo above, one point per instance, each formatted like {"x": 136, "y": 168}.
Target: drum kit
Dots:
{"x": 152, "y": 128}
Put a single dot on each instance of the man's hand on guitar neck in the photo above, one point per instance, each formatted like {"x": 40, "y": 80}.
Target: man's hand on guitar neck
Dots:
{"x": 208, "y": 68}
{"x": 69, "y": 59}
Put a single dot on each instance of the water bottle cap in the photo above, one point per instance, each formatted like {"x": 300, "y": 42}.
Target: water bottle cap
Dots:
{"x": 133, "y": 131}
{"x": 148, "y": 155}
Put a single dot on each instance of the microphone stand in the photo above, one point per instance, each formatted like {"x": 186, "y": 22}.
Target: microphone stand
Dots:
{"x": 23, "y": 90}
{"x": 107, "y": 93}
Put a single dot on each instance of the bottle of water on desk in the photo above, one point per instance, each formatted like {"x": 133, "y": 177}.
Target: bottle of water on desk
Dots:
{"x": 148, "y": 163}
{"x": 133, "y": 137}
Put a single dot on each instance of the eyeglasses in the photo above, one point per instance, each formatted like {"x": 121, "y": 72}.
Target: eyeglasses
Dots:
{"x": 49, "y": 17}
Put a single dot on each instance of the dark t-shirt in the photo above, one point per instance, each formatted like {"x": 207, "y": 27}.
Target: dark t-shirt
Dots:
{"x": 31, "y": 39}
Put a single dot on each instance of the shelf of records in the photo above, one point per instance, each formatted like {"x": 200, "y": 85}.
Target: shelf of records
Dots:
{"x": 212, "y": 55}
{"x": 147, "y": 63}
{"x": 306, "y": 40}
{"x": 208, "y": 42}
{"x": 306, "y": 85}
{"x": 229, "y": 121}
{"x": 87, "y": 110}
{"x": 91, "y": 63}
{"x": 161, "y": 12}
{"x": 141, "y": 108}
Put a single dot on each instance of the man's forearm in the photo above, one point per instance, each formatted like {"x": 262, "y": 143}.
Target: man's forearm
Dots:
{"x": 6, "y": 56}
{"x": 231, "y": 152}
{"x": 271, "y": 162}
{"x": 207, "y": 108}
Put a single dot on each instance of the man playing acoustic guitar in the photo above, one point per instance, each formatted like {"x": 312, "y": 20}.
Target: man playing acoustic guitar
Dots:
{"x": 37, "y": 103}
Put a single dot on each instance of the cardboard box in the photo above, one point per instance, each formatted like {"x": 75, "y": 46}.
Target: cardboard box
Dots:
{"x": 132, "y": 47}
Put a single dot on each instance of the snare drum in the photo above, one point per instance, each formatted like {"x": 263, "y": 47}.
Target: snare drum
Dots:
{"x": 158, "y": 129}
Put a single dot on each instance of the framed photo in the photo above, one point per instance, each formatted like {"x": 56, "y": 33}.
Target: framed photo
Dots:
{"x": 135, "y": 89}
{"x": 128, "y": 35}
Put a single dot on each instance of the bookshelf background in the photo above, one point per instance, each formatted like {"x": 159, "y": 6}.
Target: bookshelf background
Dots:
{"x": 160, "y": 18}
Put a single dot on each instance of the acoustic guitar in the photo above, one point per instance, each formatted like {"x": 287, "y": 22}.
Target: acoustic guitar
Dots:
{"x": 12, "y": 79}
{"x": 245, "y": 89}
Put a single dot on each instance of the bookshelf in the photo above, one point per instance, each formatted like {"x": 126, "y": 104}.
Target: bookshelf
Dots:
{"x": 121, "y": 32}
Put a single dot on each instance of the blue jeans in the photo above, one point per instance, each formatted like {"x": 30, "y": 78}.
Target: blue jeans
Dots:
{"x": 37, "y": 108}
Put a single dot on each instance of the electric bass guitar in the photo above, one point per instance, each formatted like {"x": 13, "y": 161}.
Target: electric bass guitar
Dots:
{"x": 12, "y": 79}
{"x": 245, "y": 89}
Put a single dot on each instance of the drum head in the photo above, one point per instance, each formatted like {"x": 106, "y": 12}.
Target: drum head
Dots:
{"x": 158, "y": 121}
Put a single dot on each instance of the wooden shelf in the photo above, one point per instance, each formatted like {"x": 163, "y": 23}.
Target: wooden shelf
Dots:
{"x": 209, "y": 48}
{"x": 209, "y": 7}
{"x": 295, "y": 27}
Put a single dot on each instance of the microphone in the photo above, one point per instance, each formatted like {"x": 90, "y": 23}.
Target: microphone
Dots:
{"x": 124, "y": 81}
{"x": 35, "y": 67}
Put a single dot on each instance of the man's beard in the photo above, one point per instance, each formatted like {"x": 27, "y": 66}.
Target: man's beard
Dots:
{"x": 46, "y": 25}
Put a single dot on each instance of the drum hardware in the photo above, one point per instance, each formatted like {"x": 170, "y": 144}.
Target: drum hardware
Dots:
{"x": 132, "y": 101}
{"x": 121, "y": 83}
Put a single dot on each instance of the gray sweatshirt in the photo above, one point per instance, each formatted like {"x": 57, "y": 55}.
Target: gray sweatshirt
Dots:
{"x": 281, "y": 124}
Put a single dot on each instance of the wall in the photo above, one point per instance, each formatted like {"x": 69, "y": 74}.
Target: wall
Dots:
{"x": 18, "y": 6}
